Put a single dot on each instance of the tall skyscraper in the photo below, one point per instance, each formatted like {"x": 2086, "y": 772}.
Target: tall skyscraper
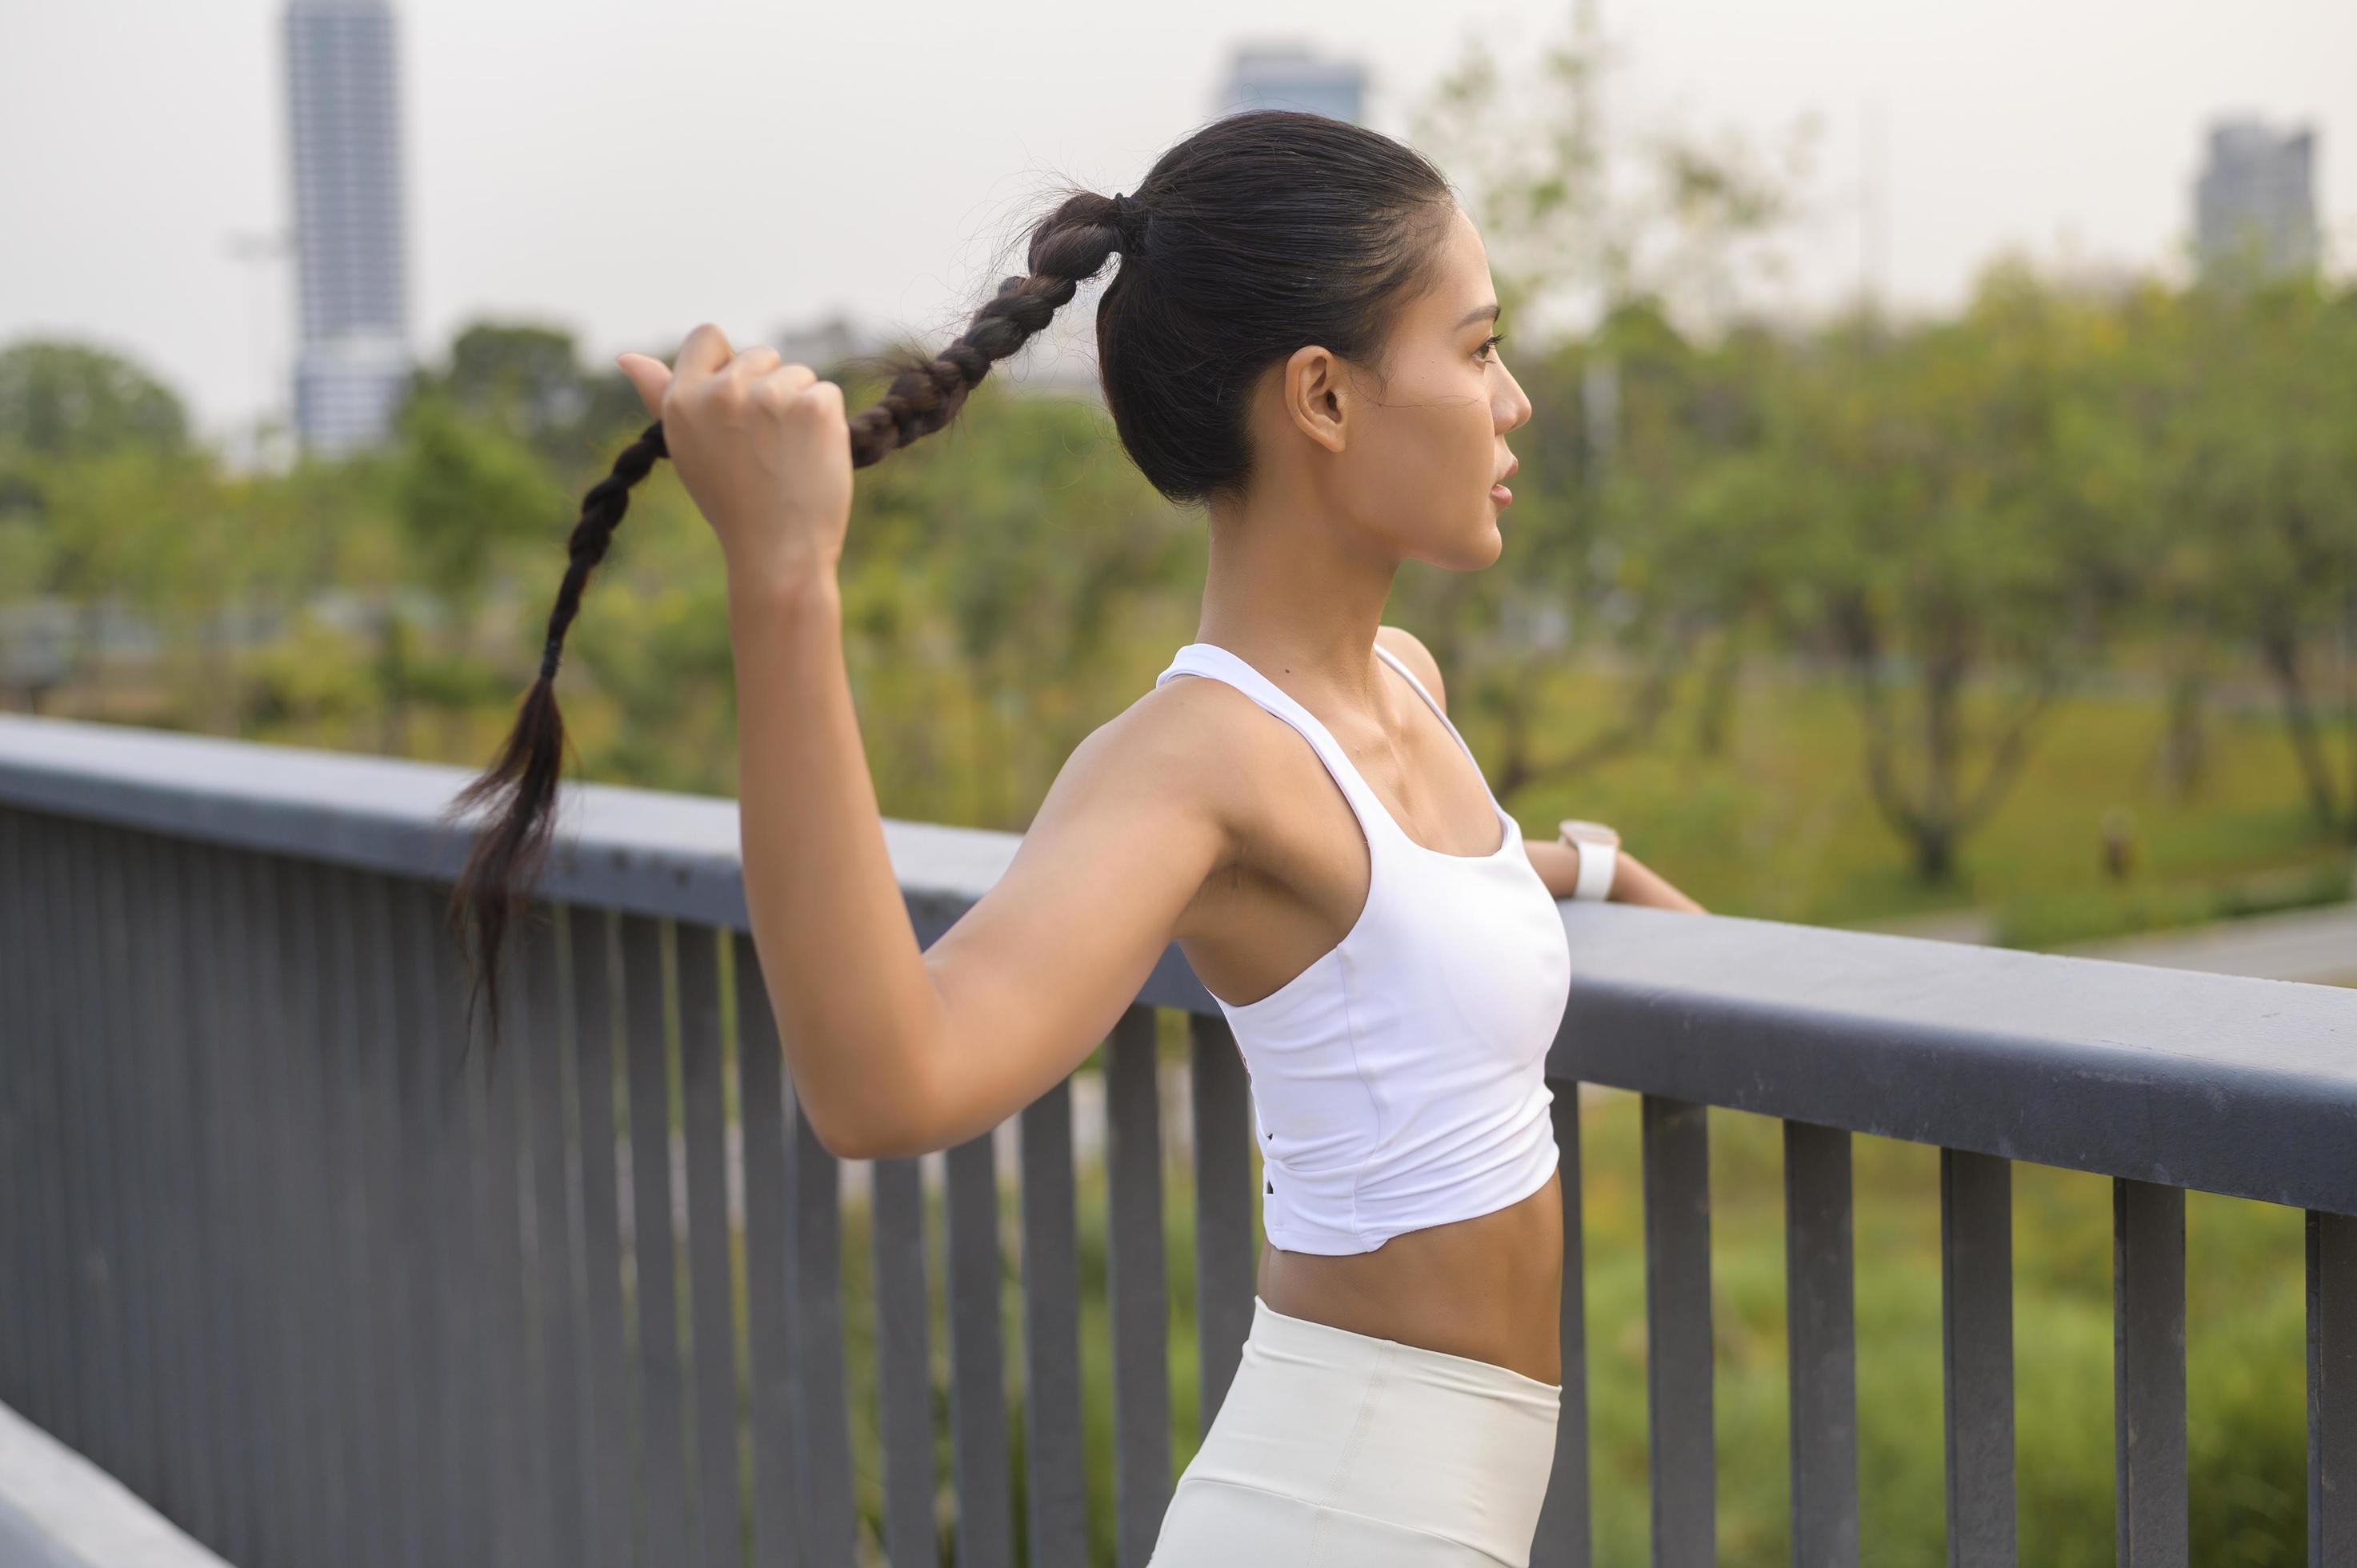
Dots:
{"x": 1286, "y": 76}
{"x": 2254, "y": 203}
{"x": 344, "y": 131}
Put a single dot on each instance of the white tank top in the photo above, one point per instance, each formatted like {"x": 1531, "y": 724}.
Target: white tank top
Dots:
{"x": 1398, "y": 1082}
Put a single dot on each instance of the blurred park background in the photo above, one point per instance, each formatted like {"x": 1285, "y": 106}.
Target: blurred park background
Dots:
{"x": 2027, "y": 616}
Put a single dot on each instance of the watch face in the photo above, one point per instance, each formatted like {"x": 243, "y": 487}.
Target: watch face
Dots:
{"x": 1585, "y": 832}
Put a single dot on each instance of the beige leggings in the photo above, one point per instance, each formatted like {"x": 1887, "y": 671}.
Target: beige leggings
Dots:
{"x": 1334, "y": 1449}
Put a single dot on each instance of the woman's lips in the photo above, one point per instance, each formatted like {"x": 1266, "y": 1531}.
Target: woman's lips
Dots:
{"x": 1502, "y": 495}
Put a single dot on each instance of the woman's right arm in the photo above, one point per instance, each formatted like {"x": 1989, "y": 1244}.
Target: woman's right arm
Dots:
{"x": 894, "y": 1049}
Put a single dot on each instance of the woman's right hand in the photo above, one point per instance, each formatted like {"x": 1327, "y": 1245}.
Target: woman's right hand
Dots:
{"x": 763, "y": 447}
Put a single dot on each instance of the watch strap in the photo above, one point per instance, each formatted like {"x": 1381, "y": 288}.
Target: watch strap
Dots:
{"x": 1598, "y": 862}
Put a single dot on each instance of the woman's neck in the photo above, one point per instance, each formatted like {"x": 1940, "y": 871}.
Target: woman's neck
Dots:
{"x": 1297, "y": 593}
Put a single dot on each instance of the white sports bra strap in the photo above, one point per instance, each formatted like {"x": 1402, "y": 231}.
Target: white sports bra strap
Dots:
{"x": 1393, "y": 660}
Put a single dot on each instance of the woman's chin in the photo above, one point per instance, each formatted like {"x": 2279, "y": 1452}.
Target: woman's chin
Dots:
{"x": 1487, "y": 544}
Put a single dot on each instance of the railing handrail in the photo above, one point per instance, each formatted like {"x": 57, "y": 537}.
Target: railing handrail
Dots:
{"x": 2220, "y": 1082}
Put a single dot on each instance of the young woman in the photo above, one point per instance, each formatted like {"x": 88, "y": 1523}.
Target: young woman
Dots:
{"x": 1301, "y": 338}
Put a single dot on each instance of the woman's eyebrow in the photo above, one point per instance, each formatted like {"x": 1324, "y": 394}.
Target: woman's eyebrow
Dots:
{"x": 1476, "y": 314}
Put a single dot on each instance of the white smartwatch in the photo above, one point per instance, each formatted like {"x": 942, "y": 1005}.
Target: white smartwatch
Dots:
{"x": 1599, "y": 856}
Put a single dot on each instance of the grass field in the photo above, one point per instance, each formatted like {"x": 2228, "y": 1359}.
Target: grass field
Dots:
{"x": 1781, "y": 825}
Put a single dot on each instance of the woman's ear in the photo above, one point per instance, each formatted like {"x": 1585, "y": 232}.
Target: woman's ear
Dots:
{"x": 1311, "y": 383}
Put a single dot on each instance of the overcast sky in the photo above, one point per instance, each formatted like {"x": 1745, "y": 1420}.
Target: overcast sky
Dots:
{"x": 628, "y": 167}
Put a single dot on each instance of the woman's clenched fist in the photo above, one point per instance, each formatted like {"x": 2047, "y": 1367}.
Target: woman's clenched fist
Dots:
{"x": 763, "y": 447}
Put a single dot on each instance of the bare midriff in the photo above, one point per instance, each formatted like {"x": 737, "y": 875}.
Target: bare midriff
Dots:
{"x": 1490, "y": 1287}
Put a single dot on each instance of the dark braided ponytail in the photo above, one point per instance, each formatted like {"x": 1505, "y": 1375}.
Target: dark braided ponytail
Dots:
{"x": 1068, "y": 248}
{"x": 1260, "y": 232}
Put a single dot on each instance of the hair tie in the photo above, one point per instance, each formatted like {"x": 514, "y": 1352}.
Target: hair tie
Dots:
{"x": 1130, "y": 216}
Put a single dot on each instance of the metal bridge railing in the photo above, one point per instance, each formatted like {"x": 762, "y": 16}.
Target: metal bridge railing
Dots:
{"x": 321, "y": 1293}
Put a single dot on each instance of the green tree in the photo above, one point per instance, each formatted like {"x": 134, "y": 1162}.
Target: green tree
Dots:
{"x": 61, "y": 399}
{"x": 1642, "y": 227}
{"x": 2259, "y": 475}
{"x": 1951, "y": 538}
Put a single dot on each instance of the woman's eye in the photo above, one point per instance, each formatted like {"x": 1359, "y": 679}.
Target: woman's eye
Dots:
{"x": 1489, "y": 343}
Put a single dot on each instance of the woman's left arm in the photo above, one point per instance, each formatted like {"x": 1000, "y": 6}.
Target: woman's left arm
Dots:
{"x": 1557, "y": 864}
{"x": 1633, "y": 881}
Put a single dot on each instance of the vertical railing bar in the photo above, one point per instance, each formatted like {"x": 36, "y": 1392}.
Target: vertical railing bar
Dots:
{"x": 122, "y": 1046}
{"x": 663, "y": 1411}
{"x": 76, "y": 1409}
{"x": 1134, "y": 1281}
{"x": 38, "y": 1003}
{"x": 386, "y": 1011}
{"x": 494, "y": 1091}
{"x": 19, "y": 1084}
{"x": 312, "y": 1307}
{"x": 704, "y": 1116}
{"x": 180, "y": 991}
{"x": 609, "y": 1399}
{"x": 260, "y": 1271}
{"x": 2331, "y": 1389}
{"x": 373, "y": 1099}
{"x": 546, "y": 1097}
{"x": 474, "y": 1292}
{"x": 16, "y": 1006}
{"x": 1976, "y": 1338}
{"x": 49, "y": 1281}
{"x": 1820, "y": 1287}
{"x": 318, "y": 907}
{"x": 366, "y": 1118}
{"x": 304, "y": 1296}
{"x": 904, "y": 1379}
{"x": 159, "y": 1025}
{"x": 49, "y": 1342}
{"x": 145, "y": 1031}
{"x": 248, "y": 1052}
{"x": 1676, "y": 1155}
{"x": 69, "y": 1327}
{"x": 2148, "y": 1373}
{"x": 455, "y": 1305}
{"x": 1057, "y": 1491}
{"x": 237, "y": 1436}
{"x": 1220, "y": 1091}
{"x": 94, "y": 1379}
{"x": 407, "y": 1156}
{"x": 979, "y": 1467}
{"x": 57, "y": 1408}
{"x": 814, "y": 1247}
{"x": 1565, "y": 1533}
{"x": 103, "y": 1240}
{"x": 327, "y": 1412}
{"x": 18, "y": 1172}
{"x": 770, "y": 1328}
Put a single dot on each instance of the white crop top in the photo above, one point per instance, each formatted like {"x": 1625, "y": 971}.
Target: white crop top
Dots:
{"x": 1398, "y": 1082}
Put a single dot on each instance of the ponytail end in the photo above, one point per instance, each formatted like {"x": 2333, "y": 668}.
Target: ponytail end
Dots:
{"x": 519, "y": 790}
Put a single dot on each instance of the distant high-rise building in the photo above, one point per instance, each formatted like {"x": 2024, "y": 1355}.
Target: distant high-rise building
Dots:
{"x": 1285, "y": 76}
{"x": 343, "y": 123}
{"x": 2254, "y": 203}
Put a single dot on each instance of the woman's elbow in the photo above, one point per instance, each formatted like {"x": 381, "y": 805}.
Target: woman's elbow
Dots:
{"x": 887, "y": 1129}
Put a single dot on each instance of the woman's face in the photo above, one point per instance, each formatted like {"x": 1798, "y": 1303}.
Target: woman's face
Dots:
{"x": 1412, "y": 460}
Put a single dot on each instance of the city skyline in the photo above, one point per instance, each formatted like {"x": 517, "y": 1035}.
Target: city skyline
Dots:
{"x": 636, "y": 179}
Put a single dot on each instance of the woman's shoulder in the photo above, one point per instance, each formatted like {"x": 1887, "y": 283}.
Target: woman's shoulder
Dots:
{"x": 1208, "y": 745}
{"x": 1196, "y": 730}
